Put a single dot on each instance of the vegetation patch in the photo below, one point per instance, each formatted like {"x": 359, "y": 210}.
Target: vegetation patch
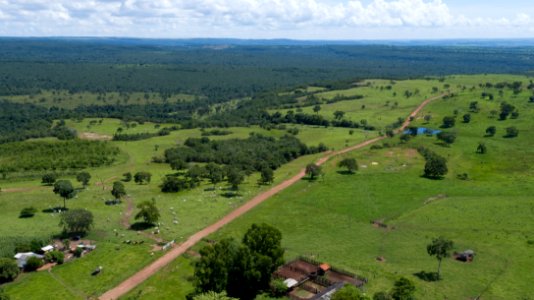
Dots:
{"x": 56, "y": 156}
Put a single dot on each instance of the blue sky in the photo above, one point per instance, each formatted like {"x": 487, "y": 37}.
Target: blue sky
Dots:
{"x": 296, "y": 19}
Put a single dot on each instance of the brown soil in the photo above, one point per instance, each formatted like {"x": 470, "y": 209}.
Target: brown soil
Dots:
{"x": 94, "y": 136}
{"x": 161, "y": 262}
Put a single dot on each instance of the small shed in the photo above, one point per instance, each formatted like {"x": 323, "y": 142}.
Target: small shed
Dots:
{"x": 47, "y": 248}
{"x": 290, "y": 283}
{"x": 323, "y": 268}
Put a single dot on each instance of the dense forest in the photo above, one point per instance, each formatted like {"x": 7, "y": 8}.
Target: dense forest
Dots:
{"x": 251, "y": 154}
{"x": 229, "y": 71}
{"x": 253, "y": 72}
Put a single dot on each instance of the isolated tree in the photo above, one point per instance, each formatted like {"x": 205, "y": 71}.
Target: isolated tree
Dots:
{"x": 235, "y": 178}
{"x": 317, "y": 108}
{"x": 403, "y": 289}
{"x": 64, "y": 189}
{"x": 267, "y": 175}
{"x": 127, "y": 177}
{"x": 349, "y": 292}
{"x": 440, "y": 248}
{"x": 76, "y": 221}
{"x": 118, "y": 190}
{"x": 49, "y": 179}
{"x": 338, "y": 114}
{"x": 511, "y": 132}
{"x": 506, "y": 110}
{"x": 490, "y": 131}
{"x": 8, "y": 270}
{"x": 350, "y": 164}
{"x": 482, "y": 149}
{"x": 427, "y": 118}
{"x": 313, "y": 171}
{"x": 446, "y": 137}
{"x": 83, "y": 178}
{"x": 448, "y": 122}
{"x": 148, "y": 212}
{"x": 435, "y": 167}
{"x": 142, "y": 177}
{"x": 467, "y": 118}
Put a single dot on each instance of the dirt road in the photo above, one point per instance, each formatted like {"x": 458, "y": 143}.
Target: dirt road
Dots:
{"x": 154, "y": 267}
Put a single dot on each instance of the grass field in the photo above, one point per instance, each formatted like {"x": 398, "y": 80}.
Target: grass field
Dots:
{"x": 492, "y": 213}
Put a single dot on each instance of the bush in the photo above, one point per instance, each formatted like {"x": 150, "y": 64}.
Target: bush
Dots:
{"x": 448, "y": 122}
{"x": 78, "y": 252}
{"x": 33, "y": 263}
{"x": 8, "y": 270}
{"x": 49, "y": 178}
{"x": 55, "y": 256}
{"x": 27, "y": 212}
{"x": 511, "y": 132}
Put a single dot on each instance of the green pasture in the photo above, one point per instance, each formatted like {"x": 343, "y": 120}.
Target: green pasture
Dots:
{"x": 491, "y": 213}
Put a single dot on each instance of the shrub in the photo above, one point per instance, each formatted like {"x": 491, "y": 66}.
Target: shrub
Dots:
{"x": 448, "y": 122}
{"x": 27, "y": 212}
{"x": 511, "y": 132}
{"x": 8, "y": 270}
{"x": 32, "y": 264}
{"x": 55, "y": 256}
{"x": 49, "y": 178}
{"x": 78, "y": 252}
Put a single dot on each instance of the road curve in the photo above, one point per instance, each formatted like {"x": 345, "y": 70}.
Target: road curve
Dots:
{"x": 167, "y": 258}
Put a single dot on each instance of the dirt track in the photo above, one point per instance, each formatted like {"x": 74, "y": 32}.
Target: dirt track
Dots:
{"x": 155, "y": 266}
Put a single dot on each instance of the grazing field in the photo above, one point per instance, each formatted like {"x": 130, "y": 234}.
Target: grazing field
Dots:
{"x": 484, "y": 203}
{"x": 488, "y": 210}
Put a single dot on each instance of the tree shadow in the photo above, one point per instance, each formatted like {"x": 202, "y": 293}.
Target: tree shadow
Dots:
{"x": 53, "y": 210}
{"x": 230, "y": 194}
{"x": 345, "y": 172}
{"x": 427, "y": 276}
{"x": 432, "y": 177}
{"x": 140, "y": 226}
{"x": 209, "y": 189}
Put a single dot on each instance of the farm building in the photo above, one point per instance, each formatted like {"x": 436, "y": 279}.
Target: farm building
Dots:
{"x": 47, "y": 248}
{"x": 311, "y": 280}
{"x": 23, "y": 257}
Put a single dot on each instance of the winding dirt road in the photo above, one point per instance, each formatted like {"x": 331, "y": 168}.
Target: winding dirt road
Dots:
{"x": 161, "y": 262}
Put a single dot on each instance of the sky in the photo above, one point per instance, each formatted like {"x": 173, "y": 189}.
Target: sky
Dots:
{"x": 268, "y": 19}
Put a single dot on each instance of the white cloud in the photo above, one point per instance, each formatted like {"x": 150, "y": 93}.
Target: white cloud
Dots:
{"x": 186, "y": 18}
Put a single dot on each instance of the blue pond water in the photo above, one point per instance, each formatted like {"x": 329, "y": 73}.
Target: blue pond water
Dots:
{"x": 423, "y": 130}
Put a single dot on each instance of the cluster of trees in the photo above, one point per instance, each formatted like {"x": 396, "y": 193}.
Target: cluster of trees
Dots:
{"x": 316, "y": 119}
{"x": 435, "y": 166}
{"x": 143, "y": 135}
{"x": 62, "y": 155}
{"x": 241, "y": 270}
{"x": 507, "y": 110}
{"x": 252, "y": 154}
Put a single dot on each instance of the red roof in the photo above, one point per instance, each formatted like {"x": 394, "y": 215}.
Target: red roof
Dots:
{"x": 324, "y": 267}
